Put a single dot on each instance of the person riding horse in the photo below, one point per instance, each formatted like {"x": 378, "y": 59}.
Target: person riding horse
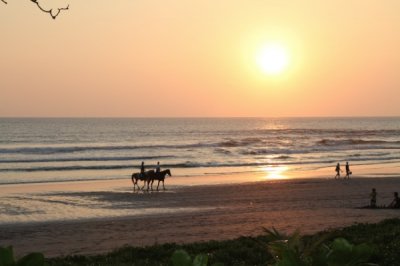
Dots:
{"x": 158, "y": 169}
{"x": 160, "y": 176}
{"x": 148, "y": 177}
{"x": 142, "y": 170}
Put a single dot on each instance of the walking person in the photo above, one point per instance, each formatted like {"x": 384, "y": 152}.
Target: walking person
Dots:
{"x": 348, "y": 172}
{"x": 373, "y": 198}
{"x": 338, "y": 170}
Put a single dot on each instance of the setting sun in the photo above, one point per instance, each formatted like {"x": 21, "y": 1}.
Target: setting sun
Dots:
{"x": 272, "y": 59}
{"x": 165, "y": 126}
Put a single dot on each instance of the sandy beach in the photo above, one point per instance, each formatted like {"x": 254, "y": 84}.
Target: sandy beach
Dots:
{"x": 248, "y": 109}
{"x": 181, "y": 214}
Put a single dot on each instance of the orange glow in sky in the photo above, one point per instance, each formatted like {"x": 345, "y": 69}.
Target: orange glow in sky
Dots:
{"x": 201, "y": 58}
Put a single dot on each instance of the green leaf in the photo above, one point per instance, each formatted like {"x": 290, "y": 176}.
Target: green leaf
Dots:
{"x": 340, "y": 253}
{"x": 6, "y": 256}
{"x": 200, "y": 260}
{"x": 342, "y": 245}
{"x": 32, "y": 259}
{"x": 181, "y": 258}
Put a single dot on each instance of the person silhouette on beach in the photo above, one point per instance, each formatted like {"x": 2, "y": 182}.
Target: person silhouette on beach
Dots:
{"x": 338, "y": 170}
{"x": 158, "y": 169}
{"x": 348, "y": 172}
{"x": 395, "y": 204}
{"x": 373, "y": 198}
{"x": 142, "y": 170}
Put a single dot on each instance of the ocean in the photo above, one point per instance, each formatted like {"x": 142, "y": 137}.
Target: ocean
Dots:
{"x": 36, "y": 150}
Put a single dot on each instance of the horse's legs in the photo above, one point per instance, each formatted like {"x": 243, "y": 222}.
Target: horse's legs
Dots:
{"x": 158, "y": 184}
{"x": 152, "y": 181}
{"x": 163, "y": 184}
{"x": 134, "y": 185}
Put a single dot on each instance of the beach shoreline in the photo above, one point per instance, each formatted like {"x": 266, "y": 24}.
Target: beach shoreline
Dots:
{"x": 191, "y": 213}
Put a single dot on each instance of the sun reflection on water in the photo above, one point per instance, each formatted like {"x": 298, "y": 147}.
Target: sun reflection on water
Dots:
{"x": 275, "y": 172}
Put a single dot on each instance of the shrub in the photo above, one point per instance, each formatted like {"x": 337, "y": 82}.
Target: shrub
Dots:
{"x": 32, "y": 259}
{"x": 292, "y": 250}
{"x": 182, "y": 258}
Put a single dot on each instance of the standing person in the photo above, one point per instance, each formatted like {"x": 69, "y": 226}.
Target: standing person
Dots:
{"x": 338, "y": 170}
{"x": 396, "y": 201}
{"x": 373, "y": 198}
{"x": 142, "y": 170}
{"x": 158, "y": 169}
{"x": 348, "y": 172}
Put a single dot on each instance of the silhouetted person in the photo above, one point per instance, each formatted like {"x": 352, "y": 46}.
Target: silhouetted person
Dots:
{"x": 373, "y": 198}
{"x": 158, "y": 169}
{"x": 338, "y": 170}
{"x": 395, "y": 202}
{"x": 142, "y": 169}
{"x": 348, "y": 172}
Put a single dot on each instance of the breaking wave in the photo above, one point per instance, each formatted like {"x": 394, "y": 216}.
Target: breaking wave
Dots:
{"x": 339, "y": 142}
{"x": 85, "y": 159}
{"x": 73, "y": 149}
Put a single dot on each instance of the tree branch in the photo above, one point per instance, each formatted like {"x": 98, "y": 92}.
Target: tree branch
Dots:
{"x": 50, "y": 11}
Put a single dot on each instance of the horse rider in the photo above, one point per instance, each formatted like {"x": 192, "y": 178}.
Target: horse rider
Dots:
{"x": 158, "y": 169}
{"x": 142, "y": 170}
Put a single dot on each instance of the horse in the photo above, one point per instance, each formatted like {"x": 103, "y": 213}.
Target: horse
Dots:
{"x": 146, "y": 177}
{"x": 160, "y": 176}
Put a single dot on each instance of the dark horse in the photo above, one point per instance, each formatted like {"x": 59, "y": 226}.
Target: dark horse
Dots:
{"x": 160, "y": 176}
{"x": 146, "y": 177}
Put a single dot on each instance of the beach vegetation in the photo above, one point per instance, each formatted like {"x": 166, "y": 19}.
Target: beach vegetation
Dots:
{"x": 293, "y": 250}
{"x": 359, "y": 244}
{"x": 182, "y": 258}
{"x": 7, "y": 258}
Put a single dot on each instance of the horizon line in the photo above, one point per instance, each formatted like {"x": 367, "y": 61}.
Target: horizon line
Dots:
{"x": 191, "y": 117}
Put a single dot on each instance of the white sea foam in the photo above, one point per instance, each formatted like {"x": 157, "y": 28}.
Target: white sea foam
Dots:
{"x": 43, "y": 150}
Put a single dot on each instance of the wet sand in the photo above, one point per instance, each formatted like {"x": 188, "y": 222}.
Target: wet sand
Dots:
{"x": 185, "y": 214}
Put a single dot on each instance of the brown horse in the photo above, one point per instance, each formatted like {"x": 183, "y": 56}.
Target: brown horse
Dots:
{"x": 160, "y": 176}
{"x": 146, "y": 177}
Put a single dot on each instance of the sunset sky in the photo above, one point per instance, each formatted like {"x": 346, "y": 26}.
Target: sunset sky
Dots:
{"x": 130, "y": 58}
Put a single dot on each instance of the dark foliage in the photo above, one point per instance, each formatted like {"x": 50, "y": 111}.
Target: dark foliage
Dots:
{"x": 383, "y": 238}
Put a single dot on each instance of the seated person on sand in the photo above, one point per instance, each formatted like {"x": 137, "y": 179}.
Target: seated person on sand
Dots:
{"x": 373, "y": 198}
{"x": 395, "y": 204}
